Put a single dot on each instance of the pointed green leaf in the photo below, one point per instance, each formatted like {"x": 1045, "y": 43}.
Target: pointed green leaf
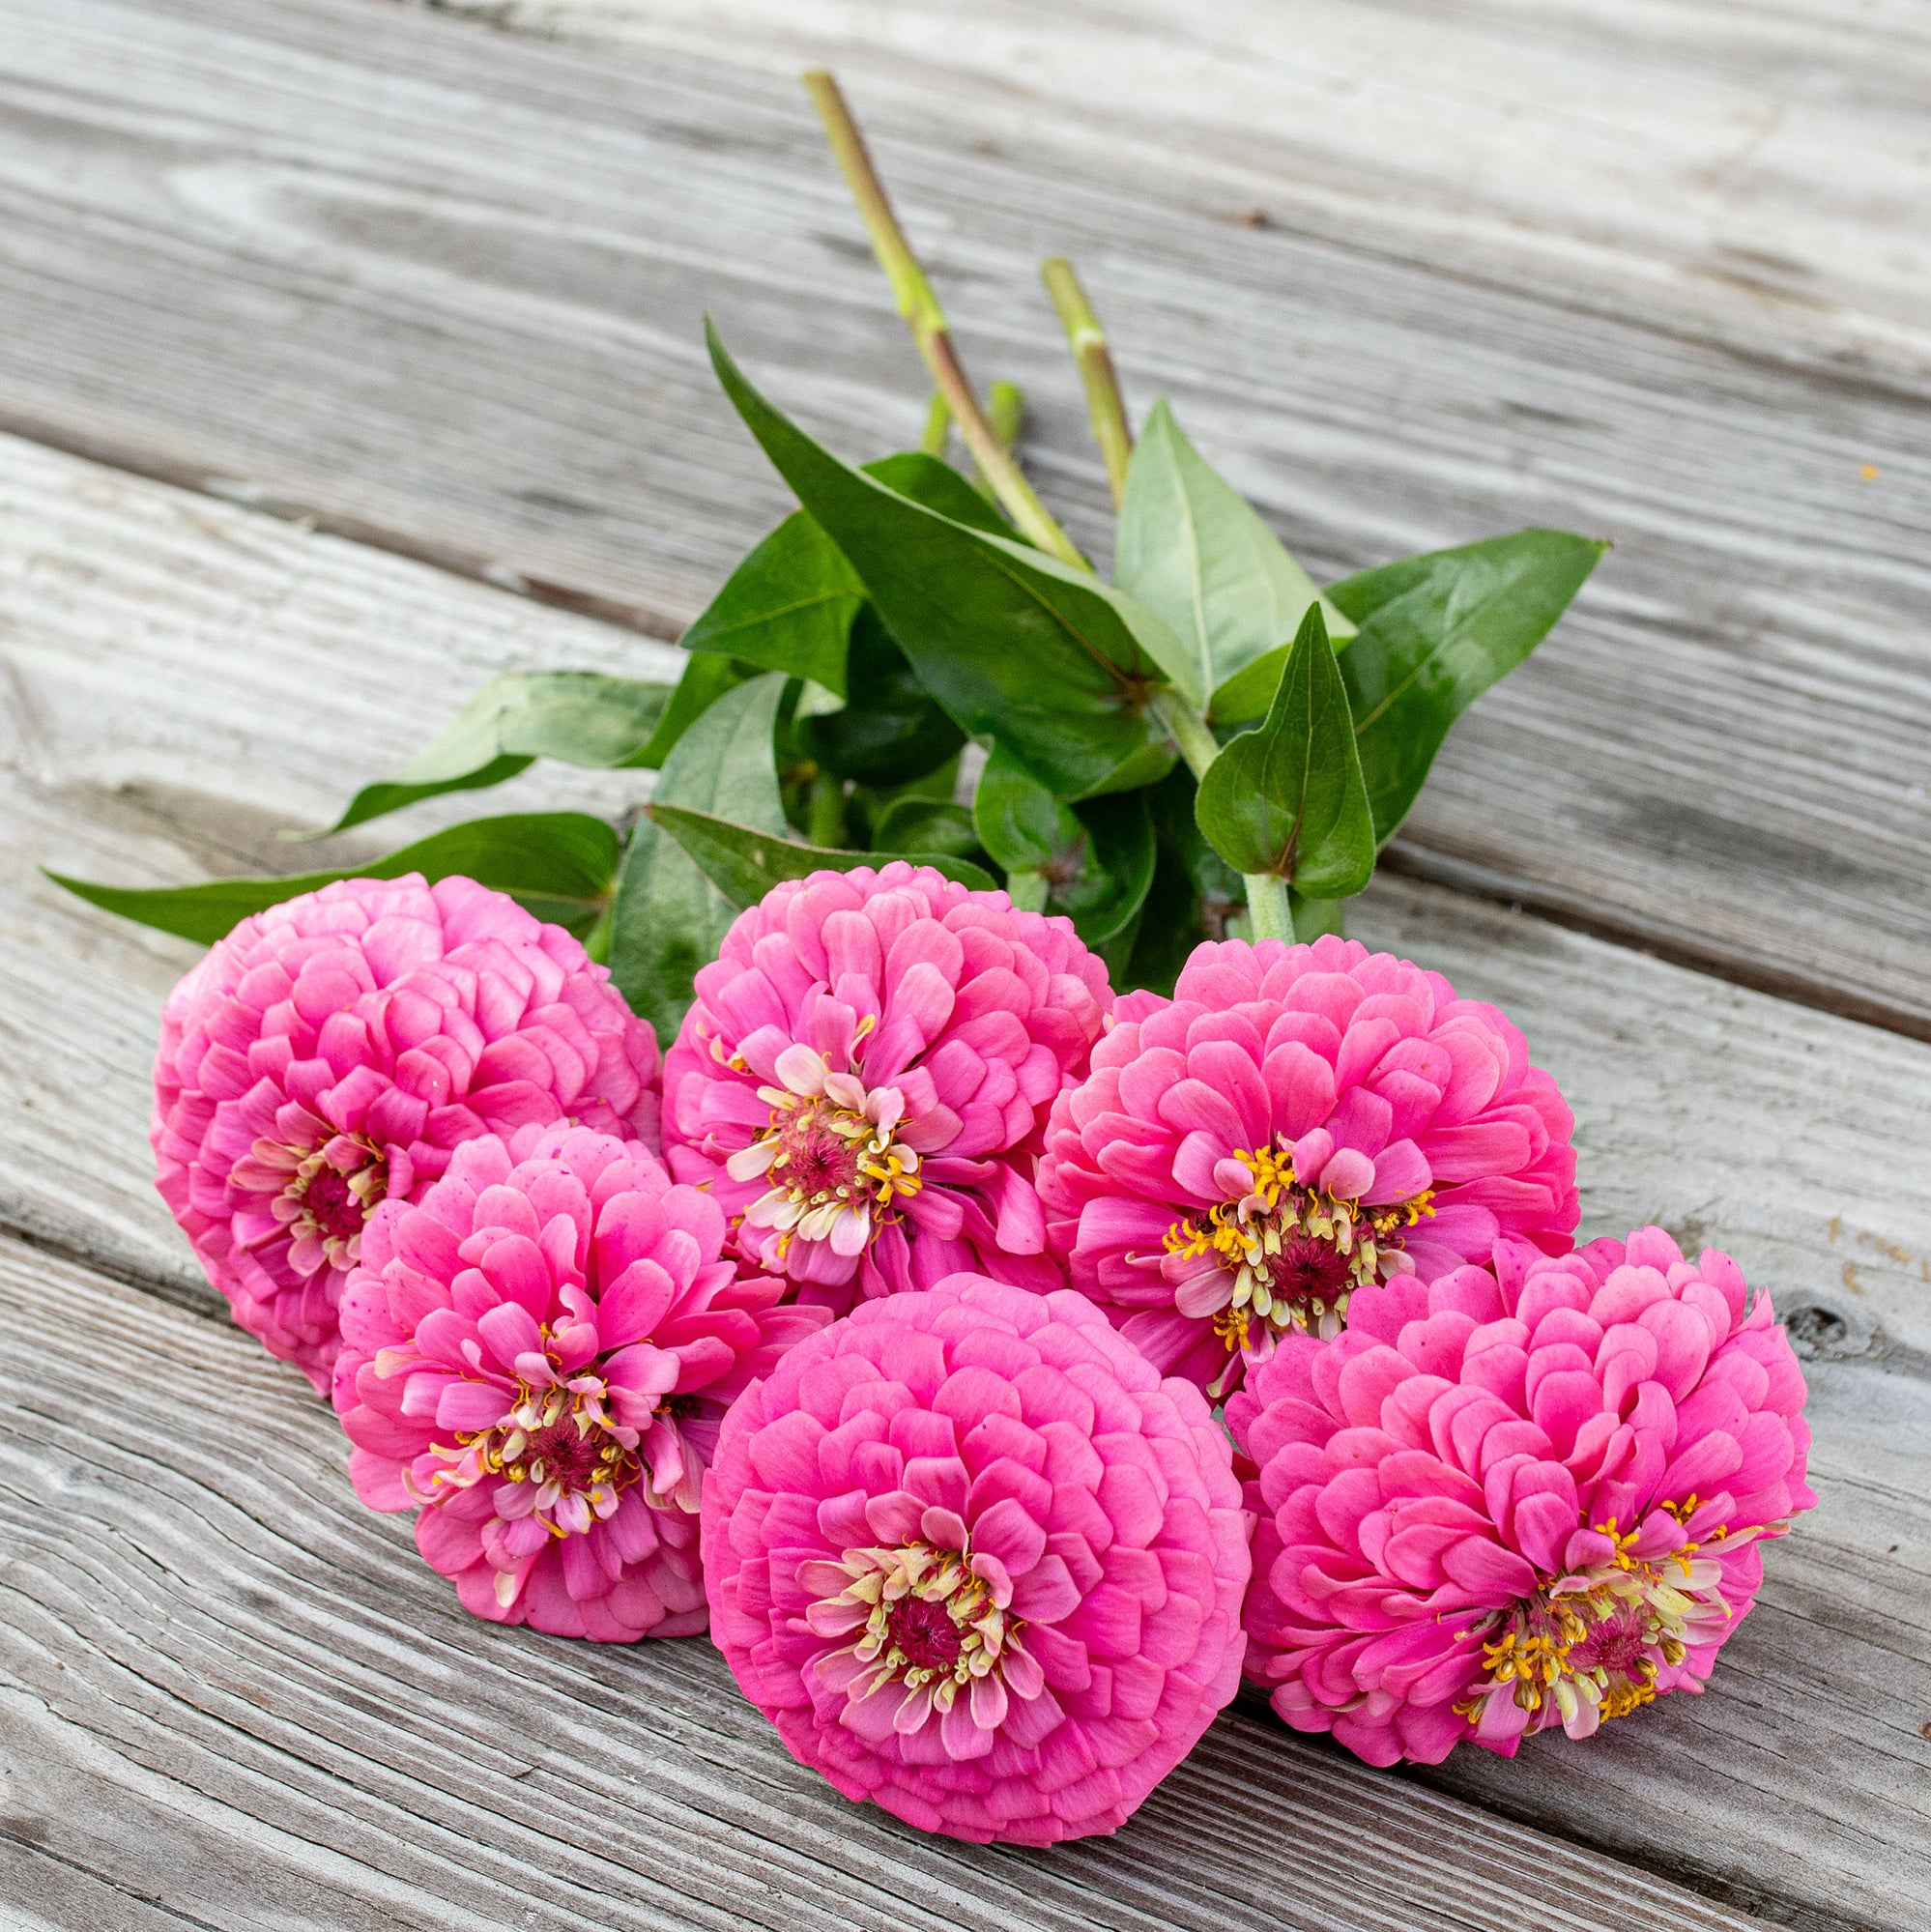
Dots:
{"x": 558, "y": 865}
{"x": 1289, "y": 799}
{"x": 1437, "y": 631}
{"x": 1194, "y": 549}
{"x": 1011, "y": 642}
{"x": 1095, "y": 858}
{"x": 787, "y": 607}
{"x": 669, "y": 919}
{"x": 939, "y": 486}
{"x": 582, "y": 717}
{"x": 744, "y": 864}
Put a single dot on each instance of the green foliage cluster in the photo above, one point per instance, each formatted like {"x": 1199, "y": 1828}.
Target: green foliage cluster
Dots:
{"x": 1207, "y": 745}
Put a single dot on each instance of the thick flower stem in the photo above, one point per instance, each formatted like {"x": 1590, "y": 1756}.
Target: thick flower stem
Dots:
{"x": 1095, "y": 359}
{"x": 920, "y": 307}
{"x": 938, "y": 424}
{"x": 1267, "y": 905}
{"x": 1005, "y": 411}
{"x": 1188, "y": 728}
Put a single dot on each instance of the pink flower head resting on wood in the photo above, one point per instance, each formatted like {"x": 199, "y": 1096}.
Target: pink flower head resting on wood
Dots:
{"x": 537, "y": 1357}
{"x": 1516, "y": 1498}
{"x": 1296, "y": 1122}
{"x": 976, "y": 1561}
{"x": 864, "y": 1074}
{"x": 334, "y": 1051}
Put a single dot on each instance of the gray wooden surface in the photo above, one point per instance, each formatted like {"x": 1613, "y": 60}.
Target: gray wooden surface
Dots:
{"x": 182, "y": 673}
{"x": 439, "y": 285}
{"x": 434, "y": 285}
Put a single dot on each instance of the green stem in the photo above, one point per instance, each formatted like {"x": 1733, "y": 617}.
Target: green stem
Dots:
{"x": 1005, "y": 411}
{"x": 1088, "y": 340}
{"x": 1189, "y": 730}
{"x": 1267, "y": 906}
{"x": 824, "y": 812}
{"x": 920, "y": 307}
{"x": 938, "y": 425}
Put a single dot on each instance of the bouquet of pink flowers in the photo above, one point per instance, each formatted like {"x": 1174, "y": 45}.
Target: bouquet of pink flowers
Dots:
{"x": 1051, "y": 1273}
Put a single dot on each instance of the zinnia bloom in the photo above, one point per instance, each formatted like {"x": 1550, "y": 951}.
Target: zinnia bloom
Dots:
{"x": 864, "y": 1074}
{"x": 539, "y": 1356}
{"x": 1514, "y": 1498}
{"x": 1297, "y": 1121}
{"x": 978, "y": 1562}
{"x": 332, "y": 1052}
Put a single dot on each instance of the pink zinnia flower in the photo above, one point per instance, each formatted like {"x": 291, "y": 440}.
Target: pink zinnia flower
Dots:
{"x": 1510, "y": 1499}
{"x": 863, "y": 1077}
{"x": 1295, "y": 1122}
{"x": 539, "y": 1356}
{"x": 332, "y": 1052}
{"x": 978, "y": 1562}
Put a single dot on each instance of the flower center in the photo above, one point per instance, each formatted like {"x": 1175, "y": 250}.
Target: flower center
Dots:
{"x": 818, "y": 1156}
{"x": 922, "y": 1617}
{"x": 831, "y": 1154}
{"x": 922, "y": 1632}
{"x": 1286, "y": 1255}
{"x": 332, "y": 1201}
{"x": 558, "y": 1439}
{"x": 1600, "y": 1637}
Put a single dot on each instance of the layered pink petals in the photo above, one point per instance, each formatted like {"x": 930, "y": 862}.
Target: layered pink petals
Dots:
{"x": 539, "y": 1355}
{"x": 1367, "y": 1080}
{"x": 978, "y": 1562}
{"x": 855, "y": 1007}
{"x": 1570, "y": 1459}
{"x": 335, "y": 1049}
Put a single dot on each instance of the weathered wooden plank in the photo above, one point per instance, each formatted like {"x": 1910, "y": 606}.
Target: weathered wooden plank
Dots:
{"x": 226, "y": 1687}
{"x": 440, "y": 286}
{"x": 1749, "y": 172}
{"x": 128, "y": 608}
{"x": 148, "y": 623}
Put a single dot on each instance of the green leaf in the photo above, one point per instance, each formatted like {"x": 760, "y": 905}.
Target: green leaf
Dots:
{"x": 939, "y": 488}
{"x": 1014, "y": 644}
{"x": 558, "y": 865}
{"x": 706, "y": 678}
{"x": 744, "y": 863}
{"x": 889, "y": 731}
{"x": 1437, "y": 631}
{"x": 789, "y": 604}
{"x": 1018, "y": 820}
{"x": 582, "y": 717}
{"x": 787, "y": 607}
{"x": 1096, "y": 858}
{"x": 1194, "y": 550}
{"x": 669, "y": 919}
{"x": 928, "y": 825}
{"x": 1289, "y": 799}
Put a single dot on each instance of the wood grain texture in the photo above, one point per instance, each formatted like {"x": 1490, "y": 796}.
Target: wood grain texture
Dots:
{"x": 229, "y": 1690}
{"x": 440, "y": 286}
{"x": 183, "y": 674}
{"x": 1753, "y": 172}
